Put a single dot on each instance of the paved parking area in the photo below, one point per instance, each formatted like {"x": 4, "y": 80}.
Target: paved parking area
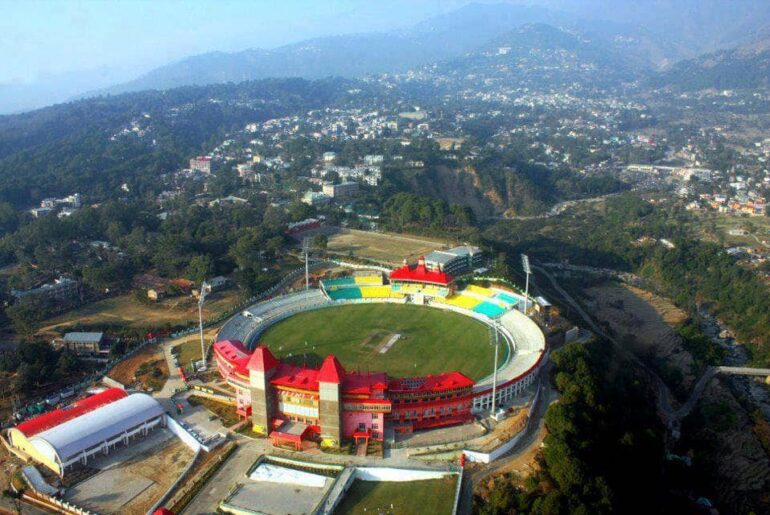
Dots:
{"x": 197, "y": 419}
{"x": 278, "y": 499}
{"x": 232, "y": 472}
{"x": 131, "y": 479}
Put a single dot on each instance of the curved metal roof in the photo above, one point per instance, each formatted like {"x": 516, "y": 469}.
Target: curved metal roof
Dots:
{"x": 56, "y": 417}
{"x": 69, "y": 439}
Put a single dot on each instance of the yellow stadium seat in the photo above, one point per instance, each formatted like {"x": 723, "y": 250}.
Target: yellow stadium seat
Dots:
{"x": 376, "y": 292}
{"x": 369, "y": 280}
{"x": 463, "y": 301}
{"x": 478, "y": 290}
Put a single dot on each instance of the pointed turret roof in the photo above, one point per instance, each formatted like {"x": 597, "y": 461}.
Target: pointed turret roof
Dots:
{"x": 262, "y": 360}
{"x": 331, "y": 371}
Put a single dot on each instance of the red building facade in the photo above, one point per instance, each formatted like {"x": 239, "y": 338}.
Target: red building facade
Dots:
{"x": 300, "y": 402}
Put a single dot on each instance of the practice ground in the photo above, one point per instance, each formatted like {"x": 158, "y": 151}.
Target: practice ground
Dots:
{"x": 432, "y": 341}
{"x": 384, "y": 247}
{"x": 126, "y": 311}
{"x": 435, "y": 496}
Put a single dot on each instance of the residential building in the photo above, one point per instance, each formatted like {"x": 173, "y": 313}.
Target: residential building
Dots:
{"x": 373, "y": 160}
{"x": 83, "y": 342}
{"x": 203, "y": 164}
{"x": 39, "y": 212}
{"x": 313, "y": 198}
{"x": 341, "y": 191}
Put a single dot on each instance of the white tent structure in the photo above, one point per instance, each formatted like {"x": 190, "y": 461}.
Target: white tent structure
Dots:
{"x": 79, "y": 440}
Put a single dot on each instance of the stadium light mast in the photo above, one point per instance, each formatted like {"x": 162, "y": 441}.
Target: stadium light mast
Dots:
{"x": 494, "y": 373}
{"x": 527, "y": 270}
{"x": 205, "y": 288}
{"x": 306, "y": 250}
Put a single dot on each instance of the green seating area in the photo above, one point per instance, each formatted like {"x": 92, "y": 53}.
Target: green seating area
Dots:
{"x": 345, "y": 293}
{"x": 340, "y": 282}
{"x": 489, "y": 309}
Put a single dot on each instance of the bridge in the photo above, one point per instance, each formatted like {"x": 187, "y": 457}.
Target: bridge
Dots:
{"x": 744, "y": 371}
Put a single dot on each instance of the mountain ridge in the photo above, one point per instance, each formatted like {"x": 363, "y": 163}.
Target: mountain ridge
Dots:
{"x": 743, "y": 67}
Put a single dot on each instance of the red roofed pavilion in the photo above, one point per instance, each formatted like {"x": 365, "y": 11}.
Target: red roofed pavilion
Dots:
{"x": 420, "y": 274}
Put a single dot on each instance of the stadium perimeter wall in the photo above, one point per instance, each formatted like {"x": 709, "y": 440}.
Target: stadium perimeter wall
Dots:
{"x": 507, "y": 386}
{"x": 488, "y": 457}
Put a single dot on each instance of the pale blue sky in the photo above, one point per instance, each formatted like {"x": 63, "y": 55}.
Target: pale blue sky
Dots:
{"x": 51, "y": 37}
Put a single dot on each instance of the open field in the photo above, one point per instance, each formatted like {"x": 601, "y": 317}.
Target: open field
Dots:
{"x": 435, "y": 496}
{"x": 126, "y": 311}
{"x": 188, "y": 348}
{"x": 716, "y": 226}
{"x": 432, "y": 341}
{"x": 385, "y": 247}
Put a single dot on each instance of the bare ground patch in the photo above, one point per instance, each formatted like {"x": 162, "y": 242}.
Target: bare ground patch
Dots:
{"x": 125, "y": 310}
{"x": 139, "y": 369}
{"x": 647, "y": 323}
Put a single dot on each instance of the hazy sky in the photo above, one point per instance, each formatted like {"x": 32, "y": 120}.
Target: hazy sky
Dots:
{"x": 45, "y": 37}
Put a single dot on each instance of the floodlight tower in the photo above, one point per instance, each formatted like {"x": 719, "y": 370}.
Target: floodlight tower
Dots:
{"x": 205, "y": 288}
{"x": 527, "y": 270}
{"x": 494, "y": 372}
{"x": 305, "y": 251}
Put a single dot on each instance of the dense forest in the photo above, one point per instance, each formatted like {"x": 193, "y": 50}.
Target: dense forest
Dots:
{"x": 694, "y": 272}
{"x": 604, "y": 441}
{"x": 195, "y": 242}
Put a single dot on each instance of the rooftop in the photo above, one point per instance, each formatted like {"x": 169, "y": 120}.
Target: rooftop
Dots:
{"x": 331, "y": 371}
{"x": 364, "y": 384}
{"x": 56, "y": 417}
{"x": 262, "y": 360}
{"x": 234, "y": 352}
{"x": 293, "y": 376}
{"x": 448, "y": 381}
{"x": 440, "y": 256}
{"x": 83, "y": 337}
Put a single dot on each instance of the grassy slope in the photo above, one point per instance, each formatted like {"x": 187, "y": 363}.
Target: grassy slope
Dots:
{"x": 434, "y": 340}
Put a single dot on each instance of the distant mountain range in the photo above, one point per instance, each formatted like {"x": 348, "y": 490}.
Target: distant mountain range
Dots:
{"x": 354, "y": 55}
{"x": 536, "y": 57}
{"x": 648, "y": 34}
{"x": 745, "y": 67}
{"x": 464, "y": 30}
{"x": 695, "y": 27}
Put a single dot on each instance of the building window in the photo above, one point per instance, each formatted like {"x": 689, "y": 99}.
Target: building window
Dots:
{"x": 375, "y": 426}
{"x": 374, "y": 416}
